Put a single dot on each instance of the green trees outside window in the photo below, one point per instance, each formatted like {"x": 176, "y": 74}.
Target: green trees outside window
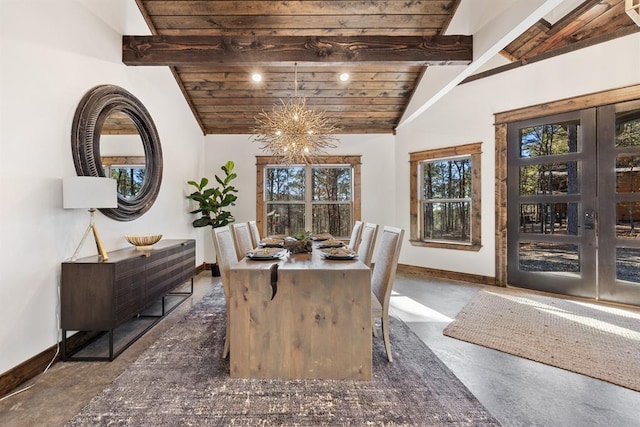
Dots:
{"x": 316, "y": 198}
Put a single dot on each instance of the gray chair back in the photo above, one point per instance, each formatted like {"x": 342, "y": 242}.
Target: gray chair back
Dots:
{"x": 255, "y": 233}
{"x": 382, "y": 278}
{"x": 242, "y": 239}
{"x": 384, "y": 270}
{"x": 367, "y": 242}
{"x": 354, "y": 241}
{"x": 226, "y": 257}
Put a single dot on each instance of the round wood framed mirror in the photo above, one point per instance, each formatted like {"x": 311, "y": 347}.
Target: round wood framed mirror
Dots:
{"x": 112, "y": 110}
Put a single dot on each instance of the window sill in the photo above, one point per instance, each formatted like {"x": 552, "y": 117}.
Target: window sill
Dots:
{"x": 445, "y": 245}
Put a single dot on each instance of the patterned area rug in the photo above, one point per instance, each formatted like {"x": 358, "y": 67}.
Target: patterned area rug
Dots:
{"x": 597, "y": 340}
{"x": 181, "y": 380}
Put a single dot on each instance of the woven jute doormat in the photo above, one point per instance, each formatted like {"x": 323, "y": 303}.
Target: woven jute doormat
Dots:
{"x": 594, "y": 339}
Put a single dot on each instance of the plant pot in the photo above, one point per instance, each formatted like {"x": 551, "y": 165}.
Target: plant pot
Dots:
{"x": 215, "y": 270}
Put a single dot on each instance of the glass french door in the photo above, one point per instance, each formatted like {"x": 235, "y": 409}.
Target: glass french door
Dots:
{"x": 573, "y": 205}
{"x": 619, "y": 252}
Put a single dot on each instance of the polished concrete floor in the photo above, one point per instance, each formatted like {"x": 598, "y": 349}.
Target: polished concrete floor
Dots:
{"x": 518, "y": 392}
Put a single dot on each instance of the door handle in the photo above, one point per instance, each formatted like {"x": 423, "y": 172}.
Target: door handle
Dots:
{"x": 589, "y": 218}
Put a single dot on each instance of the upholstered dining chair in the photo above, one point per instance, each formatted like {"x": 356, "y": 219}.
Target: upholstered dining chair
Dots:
{"x": 356, "y": 231}
{"x": 242, "y": 239}
{"x": 382, "y": 278}
{"x": 226, "y": 258}
{"x": 255, "y": 233}
{"x": 367, "y": 242}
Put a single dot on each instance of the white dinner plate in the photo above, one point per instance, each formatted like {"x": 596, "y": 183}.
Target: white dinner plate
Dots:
{"x": 340, "y": 253}
{"x": 271, "y": 243}
{"x": 321, "y": 237}
{"x": 341, "y": 257}
{"x": 265, "y": 254}
{"x": 330, "y": 244}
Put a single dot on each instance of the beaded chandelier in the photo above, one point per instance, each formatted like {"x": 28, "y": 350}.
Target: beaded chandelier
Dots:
{"x": 294, "y": 132}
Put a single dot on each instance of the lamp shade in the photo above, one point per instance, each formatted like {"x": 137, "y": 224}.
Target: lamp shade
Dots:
{"x": 89, "y": 192}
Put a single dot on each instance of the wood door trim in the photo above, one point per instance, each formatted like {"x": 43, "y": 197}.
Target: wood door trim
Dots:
{"x": 597, "y": 99}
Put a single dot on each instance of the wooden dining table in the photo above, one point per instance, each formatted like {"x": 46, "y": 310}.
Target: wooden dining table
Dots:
{"x": 302, "y": 316}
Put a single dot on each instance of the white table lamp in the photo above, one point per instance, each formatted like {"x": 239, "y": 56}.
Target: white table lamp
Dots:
{"x": 88, "y": 192}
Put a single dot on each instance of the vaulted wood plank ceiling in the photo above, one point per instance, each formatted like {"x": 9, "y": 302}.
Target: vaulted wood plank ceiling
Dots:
{"x": 592, "y": 22}
{"x": 213, "y": 47}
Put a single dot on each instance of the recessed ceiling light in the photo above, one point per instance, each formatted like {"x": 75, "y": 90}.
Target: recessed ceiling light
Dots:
{"x": 256, "y": 77}
{"x": 344, "y": 77}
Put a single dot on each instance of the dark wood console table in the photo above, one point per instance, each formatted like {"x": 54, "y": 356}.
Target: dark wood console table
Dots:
{"x": 101, "y": 296}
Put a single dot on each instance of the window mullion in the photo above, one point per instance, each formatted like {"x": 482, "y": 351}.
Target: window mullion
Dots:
{"x": 308, "y": 208}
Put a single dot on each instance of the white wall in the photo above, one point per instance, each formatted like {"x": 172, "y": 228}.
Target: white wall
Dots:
{"x": 52, "y": 53}
{"x": 121, "y": 145}
{"x": 465, "y": 115}
{"x": 378, "y": 181}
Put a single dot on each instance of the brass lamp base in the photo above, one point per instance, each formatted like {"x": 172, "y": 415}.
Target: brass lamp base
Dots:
{"x": 102, "y": 253}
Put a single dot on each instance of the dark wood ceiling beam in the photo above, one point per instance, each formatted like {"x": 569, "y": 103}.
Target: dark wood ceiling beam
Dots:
{"x": 211, "y": 50}
{"x": 250, "y": 120}
{"x": 307, "y": 86}
{"x": 374, "y": 93}
{"x": 288, "y": 77}
{"x": 256, "y": 108}
{"x": 307, "y": 32}
{"x": 378, "y": 67}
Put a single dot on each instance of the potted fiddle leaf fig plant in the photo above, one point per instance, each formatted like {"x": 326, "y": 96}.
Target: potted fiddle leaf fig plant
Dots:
{"x": 213, "y": 201}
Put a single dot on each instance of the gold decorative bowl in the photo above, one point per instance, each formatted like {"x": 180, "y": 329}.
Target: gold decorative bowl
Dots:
{"x": 143, "y": 241}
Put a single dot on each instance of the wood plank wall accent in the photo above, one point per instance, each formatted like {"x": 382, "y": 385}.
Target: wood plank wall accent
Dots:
{"x": 262, "y": 161}
{"x": 501, "y": 204}
{"x": 502, "y": 120}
